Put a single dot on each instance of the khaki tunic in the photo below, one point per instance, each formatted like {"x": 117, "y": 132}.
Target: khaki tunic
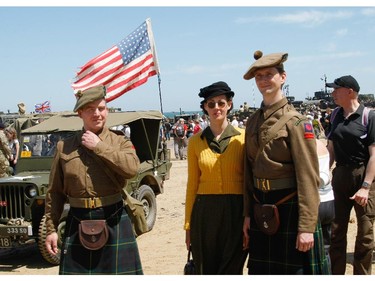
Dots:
{"x": 4, "y": 155}
{"x": 292, "y": 153}
{"x": 75, "y": 173}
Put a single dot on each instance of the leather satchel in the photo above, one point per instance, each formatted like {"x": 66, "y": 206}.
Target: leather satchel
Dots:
{"x": 93, "y": 234}
{"x": 267, "y": 218}
{"x": 267, "y": 215}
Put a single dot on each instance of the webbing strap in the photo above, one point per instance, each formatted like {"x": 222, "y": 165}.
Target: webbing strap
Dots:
{"x": 272, "y": 132}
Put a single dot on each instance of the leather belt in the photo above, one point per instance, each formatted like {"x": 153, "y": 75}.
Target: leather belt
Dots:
{"x": 95, "y": 202}
{"x": 266, "y": 185}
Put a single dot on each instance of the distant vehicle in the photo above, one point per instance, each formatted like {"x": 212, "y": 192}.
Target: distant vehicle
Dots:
{"x": 186, "y": 117}
{"x": 22, "y": 197}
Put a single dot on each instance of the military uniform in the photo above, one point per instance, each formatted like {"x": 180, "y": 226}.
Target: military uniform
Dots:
{"x": 287, "y": 164}
{"x": 4, "y": 156}
{"x": 91, "y": 180}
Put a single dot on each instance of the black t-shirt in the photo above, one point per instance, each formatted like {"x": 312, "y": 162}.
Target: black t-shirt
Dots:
{"x": 351, "y": 137}
{"x": 168, "y": 126}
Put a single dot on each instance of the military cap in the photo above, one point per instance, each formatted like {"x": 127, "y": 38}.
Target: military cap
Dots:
{"x": 89, "y": 95}
{"x": 216, "y": 89}
{"x": 346, "y": 81}
{"x": 270, "y": 60}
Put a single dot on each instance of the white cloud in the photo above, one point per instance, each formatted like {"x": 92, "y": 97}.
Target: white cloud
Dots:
{"x": 326, "y": 57}
{"x": 342, "y": 32}
{"x": 368, "y": 12}
{"x": 307, "y": 18}
{"x": 200, "y": 69}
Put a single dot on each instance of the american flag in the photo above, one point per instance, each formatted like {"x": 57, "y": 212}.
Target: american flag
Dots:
{"x": 123, "y": 67}
{"x": 43, "y": 107}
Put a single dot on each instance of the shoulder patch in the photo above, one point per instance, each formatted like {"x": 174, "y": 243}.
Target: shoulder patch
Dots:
{"x": 308, "y": 131}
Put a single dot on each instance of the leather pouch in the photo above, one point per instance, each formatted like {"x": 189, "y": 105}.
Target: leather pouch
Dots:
{"x": 267, "y": 218}
{"x": 93, "y": 234}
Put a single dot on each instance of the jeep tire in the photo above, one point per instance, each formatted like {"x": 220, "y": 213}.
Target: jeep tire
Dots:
{"x": 147, "y": 196}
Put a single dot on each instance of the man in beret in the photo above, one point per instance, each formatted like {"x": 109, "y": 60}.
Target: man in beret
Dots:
{"x": 351, "y": 143}
{"x": 89, "y": 171}
{"x": 281, "y": 165}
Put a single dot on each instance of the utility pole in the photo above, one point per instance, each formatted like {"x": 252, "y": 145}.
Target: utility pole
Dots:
{"x": 325, "y": 84}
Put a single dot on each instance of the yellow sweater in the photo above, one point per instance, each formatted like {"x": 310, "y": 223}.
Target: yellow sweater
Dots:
{"x": 213, "y": 173}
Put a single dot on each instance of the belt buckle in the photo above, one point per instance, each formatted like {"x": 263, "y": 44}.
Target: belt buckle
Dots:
{"x": 91, "y": 203}
{"x": 263, "y": 184}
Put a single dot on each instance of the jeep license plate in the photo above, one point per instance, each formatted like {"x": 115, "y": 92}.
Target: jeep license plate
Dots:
{"x": 5, "y": 242}
{"x": 13, "y": 230}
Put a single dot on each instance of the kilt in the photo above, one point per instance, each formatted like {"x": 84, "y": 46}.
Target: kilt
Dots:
{"x": 277, "y": 254}
{"x": 119, "y": 256}
{"x": 216, "y": 234}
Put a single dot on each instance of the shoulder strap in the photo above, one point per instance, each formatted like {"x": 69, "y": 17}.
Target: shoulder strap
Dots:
{"x": 272, "y": 132}
{"x": 110, "y": 174}
{"x": 282, "y": 200}
{"x": 333, "y": 114}
{"x": 365, "y": 115}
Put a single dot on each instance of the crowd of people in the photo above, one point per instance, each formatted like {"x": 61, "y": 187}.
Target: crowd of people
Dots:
{"x": 258, "y": 188}
{"x": 294, "y": 218}
{"x": 181, "y": 130}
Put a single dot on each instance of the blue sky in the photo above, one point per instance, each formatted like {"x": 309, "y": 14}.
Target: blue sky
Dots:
{"x": 42, "y": 48}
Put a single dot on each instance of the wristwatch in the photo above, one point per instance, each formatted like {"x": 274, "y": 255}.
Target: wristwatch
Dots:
{"x": 366, "y": 185}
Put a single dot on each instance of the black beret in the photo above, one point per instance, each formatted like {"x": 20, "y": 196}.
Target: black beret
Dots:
{"x": 216, "y": 89}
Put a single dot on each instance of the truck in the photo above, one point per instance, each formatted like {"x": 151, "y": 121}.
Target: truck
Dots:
{"x": 22, "y": 196}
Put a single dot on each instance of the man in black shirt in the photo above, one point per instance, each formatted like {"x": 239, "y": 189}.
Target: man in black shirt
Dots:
{"x": 351, "y": 144}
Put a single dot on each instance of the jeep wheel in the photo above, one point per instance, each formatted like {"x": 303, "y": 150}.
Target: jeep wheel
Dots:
{"x": 55, "y": 260}
{"x": 147, "y": 197}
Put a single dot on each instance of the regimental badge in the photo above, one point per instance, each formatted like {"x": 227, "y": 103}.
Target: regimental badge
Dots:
{"x": 309, "y": 132}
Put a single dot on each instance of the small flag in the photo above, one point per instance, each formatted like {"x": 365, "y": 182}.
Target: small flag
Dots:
{"x": 122, "y": 68}
{"x": 43, "y": 107}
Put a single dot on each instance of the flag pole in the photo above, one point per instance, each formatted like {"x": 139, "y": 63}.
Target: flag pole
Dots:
{"x": 153, "y": 48}
{"x": 161, "y": 101}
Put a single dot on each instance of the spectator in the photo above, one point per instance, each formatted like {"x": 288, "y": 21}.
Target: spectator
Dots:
{"x": 14, "y": 146}
{"x": 352, "y": 145}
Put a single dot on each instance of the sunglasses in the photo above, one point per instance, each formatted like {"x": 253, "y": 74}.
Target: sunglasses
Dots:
{"x": 220, "y": 104}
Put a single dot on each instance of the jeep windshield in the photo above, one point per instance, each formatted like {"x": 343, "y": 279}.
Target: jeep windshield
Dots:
{"x": 40, "y": 140}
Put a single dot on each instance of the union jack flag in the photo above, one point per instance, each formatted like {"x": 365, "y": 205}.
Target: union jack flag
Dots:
{"x": 43, "y": 107}
{"x": 123, "y": 67}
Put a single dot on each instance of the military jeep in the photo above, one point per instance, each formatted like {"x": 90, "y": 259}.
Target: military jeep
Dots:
{"x": 22, "y": 197}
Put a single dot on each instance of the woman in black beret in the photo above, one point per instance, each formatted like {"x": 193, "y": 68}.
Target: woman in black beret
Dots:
{"x": 214, "y": 195}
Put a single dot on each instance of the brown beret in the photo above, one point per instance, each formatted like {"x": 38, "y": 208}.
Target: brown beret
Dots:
{"x": 89, "y": 95}
{"x": 270, "y": 60}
